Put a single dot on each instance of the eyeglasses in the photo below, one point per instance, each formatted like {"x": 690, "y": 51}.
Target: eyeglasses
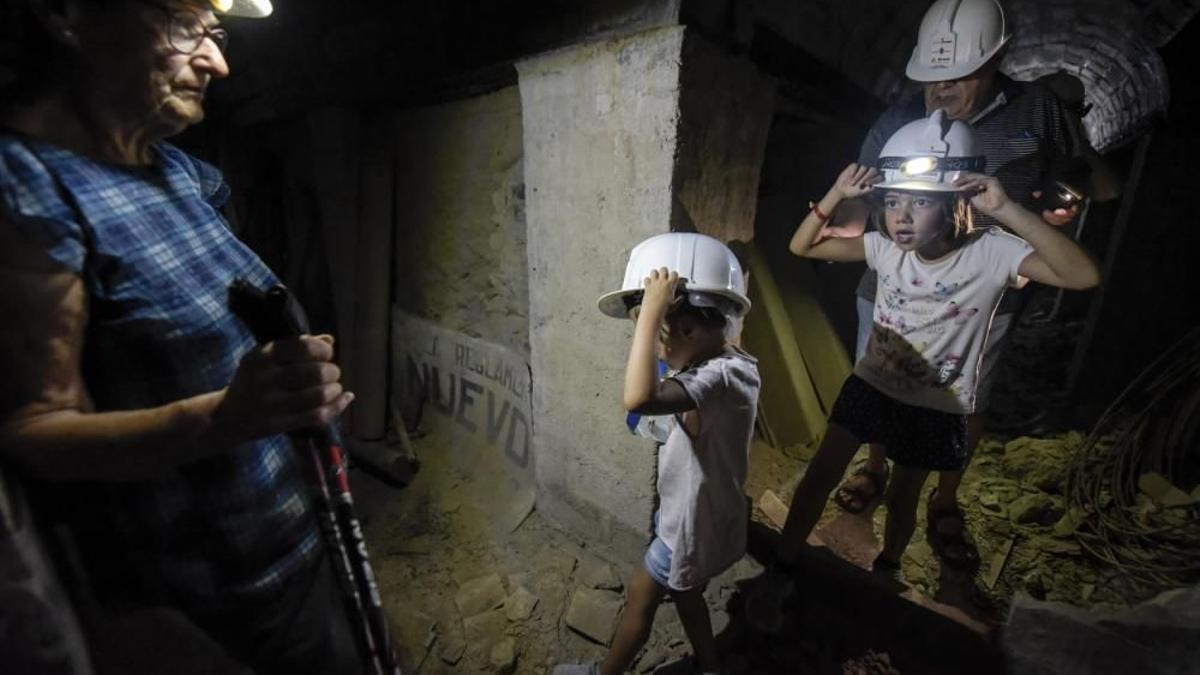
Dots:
{"x": 186, "y": 32}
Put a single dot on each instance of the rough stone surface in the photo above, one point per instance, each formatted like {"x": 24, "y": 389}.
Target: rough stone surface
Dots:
{"x": 593, "y": 613}
{"x": 596, "y": 573}
{"x": 520, "y": 605}
{"x": 1031, "y": 508}
{"x": 651, "y": 658}
{"x": 452, "y": 647}
{"x": 726, "y": 109}
{"x": 411, "y": 626}
{"x": 483, "y": 632}
{"x": 1041, "y": 463}
{"x": 1158, "y": 637}
{"x": 503, "y": 658}
{"x": 600, "y": 138}
{"x": 479, "y": 595}
{"x": 459, "y": 250}
{"x": 720, "y": 620}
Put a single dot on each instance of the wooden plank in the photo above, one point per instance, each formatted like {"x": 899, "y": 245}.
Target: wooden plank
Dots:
{"x": 996, "y": 562}
{"x": 788, "y": 396}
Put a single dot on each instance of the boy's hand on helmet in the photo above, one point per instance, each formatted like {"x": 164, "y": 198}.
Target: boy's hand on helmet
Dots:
{"x": 659, "y": 290}
{"x": 987, "y": 194}
{"x": 855, "y": 180}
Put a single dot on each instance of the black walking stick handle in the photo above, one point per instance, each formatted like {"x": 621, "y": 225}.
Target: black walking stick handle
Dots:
{"x": 275, "y": 314}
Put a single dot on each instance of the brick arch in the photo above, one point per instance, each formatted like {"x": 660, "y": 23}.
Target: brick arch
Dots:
{"x": 1110, "y": 45}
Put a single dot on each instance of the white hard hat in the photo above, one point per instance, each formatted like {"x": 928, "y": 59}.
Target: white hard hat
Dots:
{"x": 250, "y": 9}
{"x": 956, "y": 38}
{"x": 929, "y": 154}
{"x": 711, "y": 274}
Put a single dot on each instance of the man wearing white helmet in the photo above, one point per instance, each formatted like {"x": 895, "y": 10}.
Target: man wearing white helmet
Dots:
{"x": 133, "y": 396}
{"x": 1025, "y": 137}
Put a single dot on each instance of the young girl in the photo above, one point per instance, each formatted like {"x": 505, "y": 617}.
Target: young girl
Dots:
{"x": 940, "y": 281}
{"x": 712, "y": 395}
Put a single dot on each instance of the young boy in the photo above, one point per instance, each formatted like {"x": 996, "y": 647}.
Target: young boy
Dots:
{"x": 713, "y": 394}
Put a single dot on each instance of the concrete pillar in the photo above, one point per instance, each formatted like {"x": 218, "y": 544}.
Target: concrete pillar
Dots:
{"x": 605, "y": 167}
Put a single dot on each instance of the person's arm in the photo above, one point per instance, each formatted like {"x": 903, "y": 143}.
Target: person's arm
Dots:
{"x": 1070, "y": 143}
{"x": 645, "y": 393}
{"x": 1056, "y": 259}
{"x": 855, "y": 181}
{"x": 48, "y": 425}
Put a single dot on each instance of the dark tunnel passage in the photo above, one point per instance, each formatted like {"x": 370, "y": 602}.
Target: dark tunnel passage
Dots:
{"x": 452, "y": 192}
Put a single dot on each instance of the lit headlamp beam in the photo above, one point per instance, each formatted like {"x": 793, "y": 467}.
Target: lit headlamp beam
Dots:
{"x": 918, "y": 165}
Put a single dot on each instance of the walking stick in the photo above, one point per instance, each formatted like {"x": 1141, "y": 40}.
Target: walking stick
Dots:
{"x": 276, "y": 314}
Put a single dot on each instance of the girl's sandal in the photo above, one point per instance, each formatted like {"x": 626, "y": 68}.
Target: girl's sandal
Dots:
{"x": 856, "y": 498}
{"x": 952, "y": 547}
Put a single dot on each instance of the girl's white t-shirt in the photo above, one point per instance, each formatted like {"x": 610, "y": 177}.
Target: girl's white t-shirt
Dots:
{"x": 932, "y": 317}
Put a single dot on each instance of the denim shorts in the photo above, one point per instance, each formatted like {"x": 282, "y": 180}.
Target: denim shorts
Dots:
{"x": 658, "y": 562}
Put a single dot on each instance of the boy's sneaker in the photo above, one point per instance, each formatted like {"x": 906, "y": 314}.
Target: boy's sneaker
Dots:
{"x": 576, "y": 669}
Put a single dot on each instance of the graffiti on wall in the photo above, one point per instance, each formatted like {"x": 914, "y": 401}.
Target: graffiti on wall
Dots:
{"x": 474, "y": 392}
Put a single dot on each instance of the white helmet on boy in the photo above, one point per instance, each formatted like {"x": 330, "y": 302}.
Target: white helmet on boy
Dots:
{"x": 929, "y": 155}
{"x": 711, "y": 274}
{"x": 956, "y": 38}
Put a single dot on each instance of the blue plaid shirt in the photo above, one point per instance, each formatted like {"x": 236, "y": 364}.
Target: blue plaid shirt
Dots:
{"x": 156, "y": 258}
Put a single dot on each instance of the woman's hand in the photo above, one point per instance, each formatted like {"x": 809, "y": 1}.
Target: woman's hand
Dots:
{"x": 855, "y": 180}
{"x": 987, "y": 194}
{"x": 282, "y": 386}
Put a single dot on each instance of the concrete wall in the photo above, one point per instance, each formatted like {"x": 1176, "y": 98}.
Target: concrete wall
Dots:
{"x": 460, "y": 218}
{"x": 725, "y": 114}
{"x": 624, "y": 139}
{"x": 600, "y": 139}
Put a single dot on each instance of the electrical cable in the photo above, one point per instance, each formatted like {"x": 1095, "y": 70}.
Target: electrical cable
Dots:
{"x": 1153, "y": 426}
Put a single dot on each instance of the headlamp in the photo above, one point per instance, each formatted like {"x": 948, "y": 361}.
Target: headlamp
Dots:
{"x": 916, "y": 166}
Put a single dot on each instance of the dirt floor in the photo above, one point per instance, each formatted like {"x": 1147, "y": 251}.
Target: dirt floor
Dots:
{"x": 466, "y": 598}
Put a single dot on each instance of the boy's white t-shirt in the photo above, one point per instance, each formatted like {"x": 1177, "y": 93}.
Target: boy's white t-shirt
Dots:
{"x": 932, "y": 317}
{"x": 703, "y": 514}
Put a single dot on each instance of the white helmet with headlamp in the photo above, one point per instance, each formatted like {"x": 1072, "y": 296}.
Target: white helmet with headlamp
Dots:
{"x": 956, "y": 38}
{"x": 709, "y": 272}
{"x": 250, "y": 9}
{"x": 929, "y": 155}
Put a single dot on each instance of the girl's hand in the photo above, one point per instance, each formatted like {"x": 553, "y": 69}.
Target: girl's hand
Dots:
{"x": 659, "y": 290}
{"x": 987, "y": 194}
{"x": 855, "y": 180}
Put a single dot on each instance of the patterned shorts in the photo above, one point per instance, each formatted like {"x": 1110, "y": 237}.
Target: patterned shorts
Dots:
{"x": 915, "y": 437}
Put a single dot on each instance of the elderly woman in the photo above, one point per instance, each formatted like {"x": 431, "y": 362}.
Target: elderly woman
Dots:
{"x": 131, "y": 394}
